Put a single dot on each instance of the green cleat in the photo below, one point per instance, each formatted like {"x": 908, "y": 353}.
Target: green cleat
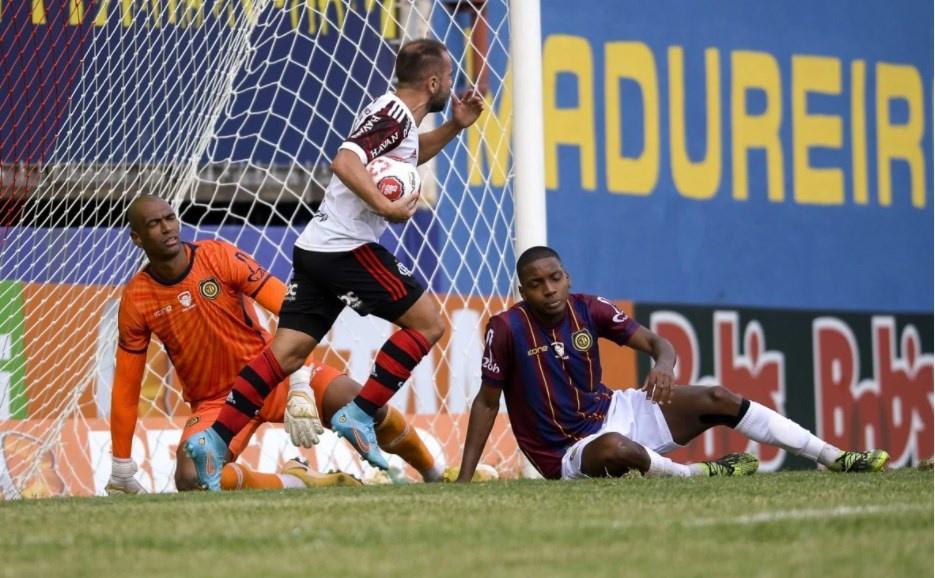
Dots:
{"x": 869, "y": 461}
{"x": 732, "y": 465}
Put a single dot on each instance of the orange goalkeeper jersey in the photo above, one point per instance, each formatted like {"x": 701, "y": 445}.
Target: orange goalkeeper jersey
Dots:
{"x": 203, "y": 318}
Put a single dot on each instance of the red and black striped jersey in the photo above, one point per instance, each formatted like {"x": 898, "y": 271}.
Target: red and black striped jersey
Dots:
{"x": 344, "y": 221}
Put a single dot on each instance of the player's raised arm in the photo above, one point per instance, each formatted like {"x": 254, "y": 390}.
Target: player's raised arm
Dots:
{"x": 483, "y": 414}
{"x": 464, "y": 112}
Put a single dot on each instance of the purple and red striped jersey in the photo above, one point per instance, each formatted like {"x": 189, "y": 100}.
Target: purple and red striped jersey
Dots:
{"x": 551, "y": 375}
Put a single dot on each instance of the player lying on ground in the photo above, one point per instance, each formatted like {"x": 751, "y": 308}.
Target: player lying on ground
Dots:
{"x": 542, "y": 355}
{"x": 196, "y": 299}
{"x": 338, "y": 261}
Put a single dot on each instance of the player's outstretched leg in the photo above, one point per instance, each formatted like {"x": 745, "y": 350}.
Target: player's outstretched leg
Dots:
{"x": 209, "y": 452}
{"x": 732, "y": 465}
{"x": 856, "y": 462}
{"x": 300, "y": 469}
{"x": 356, "y": 426}
{"x": 695, "y": 409}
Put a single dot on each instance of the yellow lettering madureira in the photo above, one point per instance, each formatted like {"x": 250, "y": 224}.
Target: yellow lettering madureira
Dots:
{"x": 756, "y": 70}
{"x": 489, "y": 138}
{"x": 75, "y": 12}
{"x": 815, "y": 74}
{"x": 38, "y": 12}
{"x": 695, "y": 180}
{"x": 388, "y": 26}
{"x": 322, "y": 15}
{"x": 568, "y": 126}
{"x": 900, "y": 141}
{"x": 634, "y": 61}
{"x": 859, "y": 131}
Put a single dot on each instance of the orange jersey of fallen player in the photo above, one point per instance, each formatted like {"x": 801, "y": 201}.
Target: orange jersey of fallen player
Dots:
{"x": 205, "y": 320}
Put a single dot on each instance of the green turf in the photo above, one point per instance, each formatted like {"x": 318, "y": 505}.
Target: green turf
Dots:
{"x": 765, "y": 525}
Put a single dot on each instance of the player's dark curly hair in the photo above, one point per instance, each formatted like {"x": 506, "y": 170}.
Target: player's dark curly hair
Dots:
{"x": 534, "y": 254}
{"x": 418, "y": 59}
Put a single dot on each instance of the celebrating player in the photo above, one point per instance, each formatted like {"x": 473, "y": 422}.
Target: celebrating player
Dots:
{"x": 194, "y": 298}
{"x": 338, "y": 261}
{"x": 542, "y": 355}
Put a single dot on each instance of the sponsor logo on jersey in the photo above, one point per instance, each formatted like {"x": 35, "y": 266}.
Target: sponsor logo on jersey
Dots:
{"x": 403, "y": 270}
{"x": 185, "y": 298}
{"x": 210, "y": 288}
{"x": 351, "y": 300}
{"x": 192, "y": 421}
{"x": 537, "y": 350}
{"x": 291, "y": 288}
{"x": 163, "y": 310}
{"x": 619, "y": 316}
{"x": 582, "y": 340}
{"x": 559, "y": 349}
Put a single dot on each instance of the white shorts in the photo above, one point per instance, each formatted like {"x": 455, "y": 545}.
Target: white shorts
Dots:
{"x": 632, "y": 415}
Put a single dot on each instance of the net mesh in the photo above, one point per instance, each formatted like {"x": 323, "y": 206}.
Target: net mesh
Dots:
{"x": 231, "y": 111}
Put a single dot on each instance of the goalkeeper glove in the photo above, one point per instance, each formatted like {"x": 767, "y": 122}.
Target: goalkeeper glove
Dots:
{"x": 121, "y": 478}
{"x": 301, "y": 419}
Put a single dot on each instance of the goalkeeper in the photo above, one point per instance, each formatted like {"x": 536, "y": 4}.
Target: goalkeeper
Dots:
{"x": 195, "y": 297}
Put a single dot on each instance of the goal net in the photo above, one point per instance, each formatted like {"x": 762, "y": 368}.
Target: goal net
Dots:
{"x": 231, "y": 110}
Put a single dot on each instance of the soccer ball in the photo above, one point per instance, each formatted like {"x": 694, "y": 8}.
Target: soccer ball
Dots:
{"x": 394, "y": 178}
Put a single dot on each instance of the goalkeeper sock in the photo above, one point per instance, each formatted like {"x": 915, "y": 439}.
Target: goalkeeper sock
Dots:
{"x": 764, "y": 425}
{"x": 397, "y": 436}
{"x": 392, "y": 367}
{"x": 251, "y": 387}
{"x": 238, "y": 477}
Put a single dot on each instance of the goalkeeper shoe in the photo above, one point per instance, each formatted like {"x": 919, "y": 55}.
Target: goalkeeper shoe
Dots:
{"x": 353, "y": 424}
{"x": 299, "y": 468}
{"x": 732, "y": 465}
{"x": 209, "y": 452}
{"x": 869, "y": 461}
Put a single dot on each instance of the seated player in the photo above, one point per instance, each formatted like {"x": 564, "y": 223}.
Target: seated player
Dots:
{"x": 542, "y": 355}
{"x": 195, "y": 298}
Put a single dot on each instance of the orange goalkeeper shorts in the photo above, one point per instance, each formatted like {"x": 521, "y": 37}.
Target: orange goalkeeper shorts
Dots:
{"x": 205, "y": 412}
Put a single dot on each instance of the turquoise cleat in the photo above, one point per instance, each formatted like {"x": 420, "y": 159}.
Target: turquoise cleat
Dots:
{"x": 353, "y": 424}
{"x": 209, "y": 452}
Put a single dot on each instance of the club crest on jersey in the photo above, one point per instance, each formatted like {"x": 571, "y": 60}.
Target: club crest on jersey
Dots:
{"x": 582, "y": 340}
{"x": 210, "y": 288}
{"x": 559, "y": 348}
{"x": 192, "y": 421}
{"x": 185, "y": 298}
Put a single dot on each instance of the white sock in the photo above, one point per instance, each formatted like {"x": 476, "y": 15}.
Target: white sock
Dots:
{"x": 660, "y": 467}
{"x": 766, "y": 426}
{"x": 290, "y": 482}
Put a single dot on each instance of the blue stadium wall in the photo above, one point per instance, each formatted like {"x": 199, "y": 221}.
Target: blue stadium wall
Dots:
{"x": 814, "y": 190}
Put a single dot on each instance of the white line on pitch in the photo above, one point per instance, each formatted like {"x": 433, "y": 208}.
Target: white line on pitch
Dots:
{"x": 838, "y": 512}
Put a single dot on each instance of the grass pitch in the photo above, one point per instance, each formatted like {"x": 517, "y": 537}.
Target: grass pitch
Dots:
{"x": 790, "y": 524}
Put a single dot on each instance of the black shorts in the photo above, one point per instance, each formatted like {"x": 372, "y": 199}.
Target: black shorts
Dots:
{"x": 368, "y": 279}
